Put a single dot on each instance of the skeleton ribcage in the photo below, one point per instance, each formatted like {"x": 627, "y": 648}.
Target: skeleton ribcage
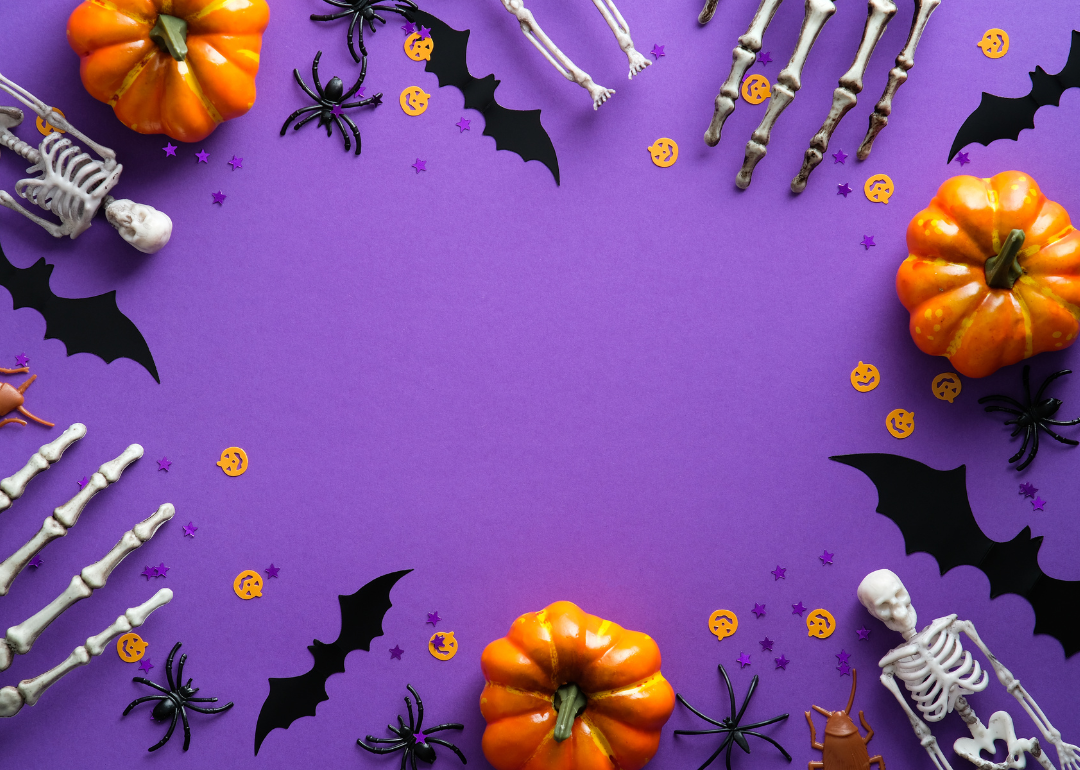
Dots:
{"x": 69, "y": 180}
{"x": 940, "y": 672}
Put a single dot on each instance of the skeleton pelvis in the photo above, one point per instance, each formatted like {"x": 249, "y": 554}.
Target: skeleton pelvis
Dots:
{"x": 1000, "y": 728}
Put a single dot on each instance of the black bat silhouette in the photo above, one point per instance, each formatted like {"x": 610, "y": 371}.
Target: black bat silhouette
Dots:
{"x": 932, "y": 510}
{"x": 89, "y": 325}
{"x": 997, "y": 117}
{"x": 361, "y": 621}
{"x": 518, "y": 131}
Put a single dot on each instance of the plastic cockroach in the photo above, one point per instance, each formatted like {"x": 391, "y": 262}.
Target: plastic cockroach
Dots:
{"x": 844, "y": 748}
{"x": 11, "y": 399}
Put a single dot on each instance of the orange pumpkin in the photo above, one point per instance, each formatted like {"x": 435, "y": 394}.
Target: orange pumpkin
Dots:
{"x": 175, "y": 67}
{"x": 571, "y": 691}
{"x": 993, "y": 273}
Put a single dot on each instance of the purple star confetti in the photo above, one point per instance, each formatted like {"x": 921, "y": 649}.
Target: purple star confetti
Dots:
{"x": 83, "y": 482}
{"x": 839, "y": 157}
{"x": 236, "y": 163}
{"x": 203, "y": 157}
{"x": 843, "y": 189}
{"x": 219, "y": 198}
{"x": 798, "y": 609}
{"x": 409, "y": 28}
{"x": 864, "y": 634}
{"x": 844, "y": 669}
{"x": 1037, "y": 504}
{"x": 463, "y": 125}
{"x": 963, "y": 159}
{"x": 433, "y": 618}
{"x": 420, "y": 165}
{"x": 764, "y": 58}
{"x": 843, "y": 656}
{"x": 657, "y": 51}
{"x": 36, "y": 562}
{"x": 782, "y": 662}
{"x": 170, "y": 150}
{"x": 826, "y": 558}
{"x": 22, "y": 360}
{"x": 1028, "y": 490}
{"x": 743, "y": 660}
{"x": 867, "y": 241}
{"x": 337, "y": 110}
{"x": 759, "y": 610}
{"x": 395, "y": 652}
{"x": 766, "y": 644}
{"x": 160, "y": 570}
{"x": 163, "y": 464}
{"x": 146, "y": 665}
{"x": 778, "y": 573}
{"x": 271, "y": 571}
{"x": 425, "y": 33}
{"x": 148, "y": 572}
{"x": 190, "y": 530}
{"x": 438, "y": 642}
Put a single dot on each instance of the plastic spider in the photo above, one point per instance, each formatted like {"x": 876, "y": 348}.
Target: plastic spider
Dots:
{"x": 330, "y": 103}
{"x": 1033, "y": 416}
{"x": 736, "y": 733}
{"x": 175, "y": 700}
{"x": 413, "y": 739}
{"x": 365, "y": 11}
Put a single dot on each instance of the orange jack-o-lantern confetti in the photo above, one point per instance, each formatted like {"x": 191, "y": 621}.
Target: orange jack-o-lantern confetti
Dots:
{"x": 419, "y": 48}
{"x": 248, "y": 584}
{"x": 47, "y": 128}
{"x": 234, "y": 461}
{"x": 994, "y": 43}
{"x": 865, "y": 377}
{"x": 414, "y": 101}
{"x": 755, "y": 89}
{"x": 900, "y": 423}
{"x": 879, "y": 188}
{"x": 442, "y": 645}
{"x": 723, "y": 623}
{"x": 820, "y": 623}
{"x": 664, "y": 152}
{"x": 946, "y": 386}
{"x": 131, "y": 648}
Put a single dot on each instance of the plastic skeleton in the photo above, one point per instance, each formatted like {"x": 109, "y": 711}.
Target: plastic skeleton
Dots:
{"x": 940, "y": 674}
{"x": 20, "y": 638}
{"x": 71, "y": 184}
{"x": 562, "y": 63}
{"x": 789, "y": 80}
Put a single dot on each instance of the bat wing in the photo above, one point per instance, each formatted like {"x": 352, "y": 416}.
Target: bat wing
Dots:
{"x": 293, "y": 697}
{"x": 997, "y": 117}
{"x": 91, "y": 325}
{"x": 932, "y": 510}
{"x": 519, "y": 131}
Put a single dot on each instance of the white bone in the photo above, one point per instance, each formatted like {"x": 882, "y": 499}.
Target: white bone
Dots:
{"x": 787, "y": 83}
{"x": 19, "y": 639}
{"x": 13, "y": 487}
{"x": 743, "y": 56}
{"x": 878, "y": 14}
{"x": 897, "y": 75}
{"x": 29, "y": 691}
{"x": 66, "y": 516}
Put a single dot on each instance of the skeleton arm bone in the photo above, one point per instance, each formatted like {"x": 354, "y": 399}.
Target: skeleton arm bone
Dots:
{"x": 1068, "y": 754}
{"x": 54, "y": 119}
{"x": 13, "y": 487}
{"x": 621, "y": 30}
{"x": 922, "y": 730}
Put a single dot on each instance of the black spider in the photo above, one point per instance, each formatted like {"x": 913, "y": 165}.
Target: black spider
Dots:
{"x": 364, "y": 11}
{"x": 413, "y": 739}
{"x": 330, "y": 102}
{"x": 736, "y": 733}
{"x": 175, "y": 700}
{"x": 1031, "y": 416}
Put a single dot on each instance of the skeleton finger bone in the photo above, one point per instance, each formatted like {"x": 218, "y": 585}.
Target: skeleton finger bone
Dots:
{"x": 851, "y": 83}
{"x": 788, "y": 82}
{"x": 13, "y": 487}
{"x": 19, "y": 639}
{"x": 707, "y": 12}
{"x": 65, "y": 517}
{"x": 29, "y": 691}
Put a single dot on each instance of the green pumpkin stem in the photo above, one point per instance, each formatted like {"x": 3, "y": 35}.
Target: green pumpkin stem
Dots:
{"x": 170, "y": 34}
{"x": 1002, "y": 270}
{"x": 569, "y": 702}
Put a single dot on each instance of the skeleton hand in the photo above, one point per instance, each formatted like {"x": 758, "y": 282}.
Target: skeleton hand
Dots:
{"x": 637, "y": 62}
{"x": 599, "y": 94}
{"x": 1068, "y": 755}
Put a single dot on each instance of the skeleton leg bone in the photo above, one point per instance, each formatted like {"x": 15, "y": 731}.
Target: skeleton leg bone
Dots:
{"x": 621, "y": 30}
{"x": 29, "y": 691}
{"x": 19, "y": 639}
{"x": 744, "y": 54}
{"x": 13, "y": 487}
{"x": 551, "y": 52}
{"x": 55, "y": 230}
{"x": 65, "y": 517}
{"x": 897, "y": 75}
{"x": 851, "y": 83}
{"x": 787, "y": 83}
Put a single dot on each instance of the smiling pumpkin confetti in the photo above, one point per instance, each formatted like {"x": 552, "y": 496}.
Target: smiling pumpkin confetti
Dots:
{"x": 865, "y": 377}
{"x": 900, "y": 423}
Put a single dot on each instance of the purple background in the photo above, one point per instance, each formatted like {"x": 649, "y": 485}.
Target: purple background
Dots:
{"x": 621, "y": 392}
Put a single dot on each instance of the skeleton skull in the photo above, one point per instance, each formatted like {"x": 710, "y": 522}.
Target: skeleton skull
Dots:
{"x": 144, "y": 227}
{"x": 882, "y": 593}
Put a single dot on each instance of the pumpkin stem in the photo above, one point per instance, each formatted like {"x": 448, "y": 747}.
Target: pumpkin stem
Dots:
{"x": 1002, "y": 270}
{"x": 170, "y": 34}
{"x": 569, "y": 702}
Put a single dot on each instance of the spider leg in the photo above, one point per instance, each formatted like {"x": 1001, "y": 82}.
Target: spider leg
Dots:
{"x": 302, "y": 84}
{"x": 143, "y": 699}
{"x": 180, "y": 670}
{"x": 168, "y": 665}
{"x": 201, "y": 700}
{"x": 308, "y": 119}
{"x": 217, "y": 710}
{"x": 375, "y": 750}
{"x": 315, "y": 73}
{"x": 1062, "y": 439}
{"x": 760, "y": 724}
{"x": 730, "y": 689}
{"x": 359, "y": 82}
{"x": 352, "y": 29}
{"x": 682, "y": 700}
{"x": 774, "y": 743}
{"x": 412, "y": 755}
{"x": 419, "y": 709}
{"x": 330, "y": 16}
{"x": 373, "y": 739}
{"x": 341, "y": 128}
{"x": 1027, "y": 384}
{"x": 1048, "y": 380}
{"x": 715, "y": 754}
{"x": 1034, "y": 449}
{"x": 1023, "y": 446}
{"x": 163, "y": 741}
{"x": 450, "y": 746}
{"x": 155, "y": 685}
{"x": 405, "y": 756}
{"x": 1005, "y": 409}
{"x": 355, "y": 132}
{"x": 730, "y": 746}
{"x": 746, "y": 702}
{"x": 340, "y": 4}
{"x": 1006, "y": 399}
{"x": 297, "y": 114}
{"x": 395, "y": 731}
{"x": 447, "y": 726}
{"x": 376, "y": 16}
{"x": 187, "y": 728}
{"x": 1064, "y": 422}
{"x": 703, "y": 732}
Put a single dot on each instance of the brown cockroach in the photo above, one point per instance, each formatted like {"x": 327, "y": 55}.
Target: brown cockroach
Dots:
{"x": 844, "y": 748}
